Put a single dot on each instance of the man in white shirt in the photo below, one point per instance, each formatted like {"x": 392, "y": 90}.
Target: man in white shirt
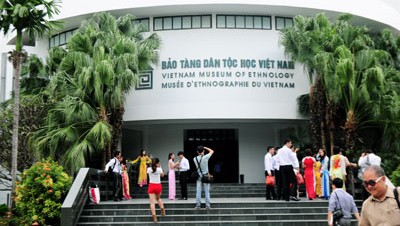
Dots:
{"x": 368, "y": 158}
{"x": 115, "y": 165}
{"x": 184, "y": 167}
{"x": 269, "y": 171}
{"x": 288, "y": 162}
{"x": 278, "y": 178}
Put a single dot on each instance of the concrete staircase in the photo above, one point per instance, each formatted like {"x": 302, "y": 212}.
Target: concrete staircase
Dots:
{"x": 232, "y": 204}
{"x": 217, "y": 191}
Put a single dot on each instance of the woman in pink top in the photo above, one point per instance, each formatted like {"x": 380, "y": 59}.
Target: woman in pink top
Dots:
{"x": 309, "y": 176}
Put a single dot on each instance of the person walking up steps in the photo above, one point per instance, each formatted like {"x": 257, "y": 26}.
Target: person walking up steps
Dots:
{"x": 155, "y": 188}
{"x": 342, "y": 200}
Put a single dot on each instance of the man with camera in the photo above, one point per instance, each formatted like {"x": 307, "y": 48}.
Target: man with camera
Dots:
{"x": 341, "y": 205}
{"x": 201, "y": 163}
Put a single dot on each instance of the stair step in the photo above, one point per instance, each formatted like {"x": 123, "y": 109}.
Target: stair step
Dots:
{"x": 219, "y": 223}
{"x": 232, "y": 204}
{"x": 175, "y": 211}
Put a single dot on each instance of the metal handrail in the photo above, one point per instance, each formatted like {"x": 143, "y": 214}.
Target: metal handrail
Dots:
{"x": 77, "y": 196}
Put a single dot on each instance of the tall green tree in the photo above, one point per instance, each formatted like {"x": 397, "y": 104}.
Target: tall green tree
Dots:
{"x": 299, "y": 45}
{"x": 32, "y": 17}
{"x": 308, "y": 37}
{"x": 101, "y": 65}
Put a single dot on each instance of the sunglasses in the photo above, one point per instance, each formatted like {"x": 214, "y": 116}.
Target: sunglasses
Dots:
{"x": 371, "y": 182}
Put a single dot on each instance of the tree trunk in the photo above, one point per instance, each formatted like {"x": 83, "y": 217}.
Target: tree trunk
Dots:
{"x": 349, "y": 128}
{"x": 331, "y": 123}
{"x": 116, "y": 120}
{"x": 107, "y": 150}
{"x": 17, "y": 58}
{"x": 313, "y": 120}
{"x": 321, "y": 111}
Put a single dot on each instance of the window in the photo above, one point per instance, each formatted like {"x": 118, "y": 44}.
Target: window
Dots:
{"x": 177, "y": 23}
{"x": 167, "y": 23}
{"x": 282, "y": 22}
{"x": 182, "y": 22}
{"x": 158, "y": 24}
{"x": 244, "y": 22}
{"x": 240, "y": 22}
{"x": 196, "y": 22}
{"x": 61, "y": 39}
{"x": 145, "y": 22}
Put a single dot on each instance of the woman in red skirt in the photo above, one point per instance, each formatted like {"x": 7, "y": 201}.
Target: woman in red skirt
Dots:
{"x": 155, "y": 188}
{"x": 309, "y": 176}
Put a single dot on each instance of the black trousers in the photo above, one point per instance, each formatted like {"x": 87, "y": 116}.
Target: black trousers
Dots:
{"x": 278, "y": 184}
{"x": 288, "y": 177}
{"x": 183, "y": 176}
{"x": 270, "y": 190}
{"x": 117, "y": 179}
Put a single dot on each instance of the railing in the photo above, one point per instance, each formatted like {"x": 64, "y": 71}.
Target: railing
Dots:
{"x": 78, "y": 194}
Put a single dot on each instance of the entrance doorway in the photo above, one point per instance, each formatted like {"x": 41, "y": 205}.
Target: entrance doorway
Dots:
{"x": 224, "y": 164}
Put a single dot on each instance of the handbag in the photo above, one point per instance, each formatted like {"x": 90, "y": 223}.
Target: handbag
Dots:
{"x": 94, "y": 194}
{"x": 338, "y": 213}
{"x": 300, "y": 179}
{"x": 207, "y": 178}
{"x": 270, "y": 180}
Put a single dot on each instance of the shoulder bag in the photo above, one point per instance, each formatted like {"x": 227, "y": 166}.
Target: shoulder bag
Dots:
{"x": 195, "y": 175}
{"x": 396, "y": 196}
{"x": 205, "y": 178}
{"x": 338, "y": 213}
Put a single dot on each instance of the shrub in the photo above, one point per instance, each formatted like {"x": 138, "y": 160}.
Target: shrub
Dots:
{"x": 395, "y": 177}
{"x": 40, "y": 194}
{"x": 5, "y": 215}
{"x": 3, "y": 209}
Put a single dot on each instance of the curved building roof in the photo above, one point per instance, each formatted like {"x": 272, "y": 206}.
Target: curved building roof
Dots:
{"x": 376, "y": 14}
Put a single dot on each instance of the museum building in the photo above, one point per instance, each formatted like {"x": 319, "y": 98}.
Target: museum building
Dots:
{"x": 222, "y": 79}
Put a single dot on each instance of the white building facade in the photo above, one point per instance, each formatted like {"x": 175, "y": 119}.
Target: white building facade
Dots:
{"x": 222, "y": 79}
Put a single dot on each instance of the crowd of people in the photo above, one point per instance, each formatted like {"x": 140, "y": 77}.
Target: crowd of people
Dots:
{"x": 283, "y": 175}
{"x": 150, "y": 170}
{"x": 382, "y": 207}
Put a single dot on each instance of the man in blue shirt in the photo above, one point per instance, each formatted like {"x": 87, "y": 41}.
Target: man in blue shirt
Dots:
{"x": 340, "y": 199}
{"x": 201, "y": 162}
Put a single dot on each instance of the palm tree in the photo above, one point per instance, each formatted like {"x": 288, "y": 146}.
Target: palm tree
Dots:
{"x": 299, "y": 46}
{"x": 303, "y": 42}
{"x": 361, "y": 82}
{"x": 103, "y": 60}
{"x": 32, "y": 17}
